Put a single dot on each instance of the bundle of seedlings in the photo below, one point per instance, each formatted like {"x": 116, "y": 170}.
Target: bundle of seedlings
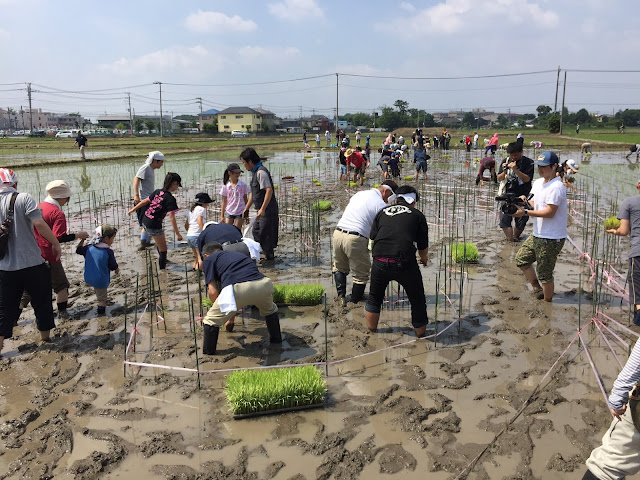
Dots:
{"x": 611, "y": 222}
{"x": 255, "y": 392}
{"x": 322, "y": 205}
{"x": 300, "y": 294}
{"x": 464, "y": 252}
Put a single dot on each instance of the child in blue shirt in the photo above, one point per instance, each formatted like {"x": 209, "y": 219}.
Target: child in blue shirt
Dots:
{"x": 99, "y": 262}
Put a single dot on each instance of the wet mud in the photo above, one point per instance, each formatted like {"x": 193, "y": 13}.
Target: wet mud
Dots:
{"x": 427, "y": 408}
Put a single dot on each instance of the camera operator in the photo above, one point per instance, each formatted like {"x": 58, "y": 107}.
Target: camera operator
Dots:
{"x": 517, "y": 170}
{"x": 549, "y": 212}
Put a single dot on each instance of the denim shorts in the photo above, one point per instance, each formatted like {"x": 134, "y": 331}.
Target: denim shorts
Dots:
{"x": 232, "y": 217}
{"x": 154, "y": 232}
{"x": 343, "y": 169}
{"x": 192, "y": 242}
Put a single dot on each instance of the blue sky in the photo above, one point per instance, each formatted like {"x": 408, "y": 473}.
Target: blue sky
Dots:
{"x": 108, "y": 48}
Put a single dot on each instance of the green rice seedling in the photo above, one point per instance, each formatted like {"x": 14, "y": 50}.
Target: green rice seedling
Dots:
{"x": 308, "y": 156}
{"x": 300, "y": 294}
{"x": 318, "y": 184}
{"x": 322, "y": 205}
{"x": 294, "y": 189}
{"x": 206, "y": 302}
{"x": 315, "y": 180}
{"x": 407, "y": 177}
{"x": 464, "y": 252}
{"x": 611, "y": 222}
{"x": 352, "y": 184}
{"x": 376, "y": 185}
{"x": 257, "y": 391}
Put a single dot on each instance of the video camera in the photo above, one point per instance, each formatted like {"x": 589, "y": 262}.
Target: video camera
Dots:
{"x": 512, "y": 202}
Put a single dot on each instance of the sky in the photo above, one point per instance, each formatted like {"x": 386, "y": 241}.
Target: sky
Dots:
{"x": 85, "y": 56}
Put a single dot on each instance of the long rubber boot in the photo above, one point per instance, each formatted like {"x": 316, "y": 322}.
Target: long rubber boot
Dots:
{"x": 273, "y": 326}
{"x": 162, "y": 260}
{"x": 357, "y": 292}
{"x": 210, "y": 340}
{"x": 341, "y": 283}
{"x": 494, "y": 177}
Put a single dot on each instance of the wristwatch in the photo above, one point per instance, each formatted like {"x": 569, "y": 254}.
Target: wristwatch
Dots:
{"x": 526, "y": 211}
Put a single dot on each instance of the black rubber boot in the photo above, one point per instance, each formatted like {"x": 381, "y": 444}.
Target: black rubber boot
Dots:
{"x": 341, "y": 283}
{"x": 143, "y": 245}
{"x": 478, "y": 178}
{"x": 162, "y": 260}
{"x": 273, "y": 326}
{"x": 210, "y": 340}
{"x": 357, "y": 292}
{"x": 494, "y": 177}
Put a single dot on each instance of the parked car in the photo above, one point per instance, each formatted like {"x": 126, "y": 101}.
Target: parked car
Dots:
{"x": 64, "y": 134}
{"x": 38, "y": 133}
{"x": 239, "y": 133}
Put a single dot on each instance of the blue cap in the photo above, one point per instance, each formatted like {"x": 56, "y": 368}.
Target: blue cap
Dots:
{"x": 546, "y": 159}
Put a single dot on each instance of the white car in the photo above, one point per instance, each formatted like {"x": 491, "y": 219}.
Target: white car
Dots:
{"x": 64, "y": 134}
{"x": 239, "y": 133}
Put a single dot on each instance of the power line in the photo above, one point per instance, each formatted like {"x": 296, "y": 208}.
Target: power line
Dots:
{"x": 248, "y": 84}
{"x": 467, "y": 77}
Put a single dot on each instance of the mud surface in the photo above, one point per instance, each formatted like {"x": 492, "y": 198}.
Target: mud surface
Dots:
{"x": 427, "y": 408}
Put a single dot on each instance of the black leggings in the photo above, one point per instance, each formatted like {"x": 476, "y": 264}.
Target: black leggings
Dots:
{"x": 36, "y": 281}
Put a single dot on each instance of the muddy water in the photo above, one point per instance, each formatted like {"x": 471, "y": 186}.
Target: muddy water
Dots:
{"x": 68, "y": 411}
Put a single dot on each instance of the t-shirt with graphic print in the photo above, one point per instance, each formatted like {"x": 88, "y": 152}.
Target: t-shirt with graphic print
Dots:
{"x": 397, "y": 230}
{"x": 162, "y": 202}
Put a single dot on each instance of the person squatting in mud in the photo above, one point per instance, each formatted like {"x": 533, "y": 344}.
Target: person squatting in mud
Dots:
{"x": 156, "y": 206}
{"x": 266, "y": 224}
{"x": 58, "y": 195}
{"x": 234, "y": 282}
{"x": 549, "y": 213}
{"x": 619, "y": 455}
{"x": 351, "y": 239}
{"x": 22, "y": 267}
{"x": 516, "y": 172}
{"x": 629, "y": 217}
{"x": 394, "y": 257}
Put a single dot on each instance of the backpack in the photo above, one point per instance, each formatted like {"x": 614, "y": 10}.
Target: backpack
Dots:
{"x": 5, "y": 228}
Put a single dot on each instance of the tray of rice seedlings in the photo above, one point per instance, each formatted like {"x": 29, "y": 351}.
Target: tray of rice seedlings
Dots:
{"x": 611, "y": 222}
{"x": 308, "y": 156}
{"x": 376, "y": 185}
{"x": 318, "y": 184}
{"x": 464, "y": 252}
{"x": 207, "y": 303}
{"x": 408, "y": 177}
{"x": 322, "y": 205}
{"x": 352, "y": 184}
{"x": 262, "y": 392}
{"x": 299, "y": 294}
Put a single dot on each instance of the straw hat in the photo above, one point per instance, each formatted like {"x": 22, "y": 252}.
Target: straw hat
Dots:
{"x": 349, "y": 152}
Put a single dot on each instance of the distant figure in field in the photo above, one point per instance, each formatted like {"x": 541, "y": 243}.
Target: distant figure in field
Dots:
{"x": 634, "y": 149}
{"x": 317, "y": 139}
{"x": 585, "y": 148}
{"x": 81, "y": 142}
{"x": 577, "y": 128}
{"x": 327, "y": 135}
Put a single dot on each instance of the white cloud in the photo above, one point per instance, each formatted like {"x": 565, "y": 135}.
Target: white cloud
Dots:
{"x": 4, "y": 34}
{"x": 407, "y": 7}
{"x": 296, "y": 10}
{"x": 214, "y": 22}
{"x": 171, "y": 58}
{"x": 454, "y": 16}
{"x": 267, "y": 54}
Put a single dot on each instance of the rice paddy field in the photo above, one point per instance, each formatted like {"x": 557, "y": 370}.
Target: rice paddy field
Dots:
{"x": 504, "y": 386}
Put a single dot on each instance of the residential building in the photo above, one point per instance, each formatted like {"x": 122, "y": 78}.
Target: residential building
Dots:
{"x": 270, "y": 119}
{"x": 239, "y": 118}
{"x": 64, "y": 120}
{"x": 207, "y": 117}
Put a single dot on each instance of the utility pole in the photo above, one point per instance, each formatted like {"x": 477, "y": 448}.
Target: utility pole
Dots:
{"x": 555, "y": 105}
{"x": 337, "y": 124}
{"x": 30, "y": 112}
{"x": 161, "y": 119}
{"x": 22, "y": 115}
{"x": 130, "y": 114}
{"x": 564, "y": 90}
{"x": 199, "y": 99}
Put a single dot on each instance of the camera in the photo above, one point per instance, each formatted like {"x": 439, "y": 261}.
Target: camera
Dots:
{"x": 512, "y": 202}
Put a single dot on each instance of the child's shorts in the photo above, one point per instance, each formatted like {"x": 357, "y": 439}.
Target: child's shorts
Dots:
{"x": 101, "y": 294}
{"x": 232, "y": 217}
{"x": 192, "y": 242}
{"x": 154, "y": 232}
{"x": 343, "y": 169}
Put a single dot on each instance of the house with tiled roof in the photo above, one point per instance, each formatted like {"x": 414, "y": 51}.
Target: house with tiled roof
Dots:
{"x": 239, "y": 118}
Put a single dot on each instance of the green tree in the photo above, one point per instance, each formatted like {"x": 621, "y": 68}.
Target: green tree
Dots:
{"x": 402, "y": 107}
{"x": 390, "y": 119}
{"x": 583, "y": 116}
{"x": 503, "y": 122}
{"x": 150, "y": 124}
{"x": 265, "y": 127}
{"x": 121, "y": 126}
{"x": 138, "y": 124}
{"x": 543, "y": 110}
{"x": 212, "y": 128}
{"x": 429, "y": 121}
{"x": 554, "y": 123}
{"x": 11, "y": 111}
{"x": 469, "y": 119}
{"x": 361, "y": 119}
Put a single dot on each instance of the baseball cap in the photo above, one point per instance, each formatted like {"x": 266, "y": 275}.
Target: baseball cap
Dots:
{"x": 547, "y": 158}
{"x": 572, "y": 164}
{"x": 203, "y": 198}
{"x": 234, "y": 167}
{"x": 8, "y": 176}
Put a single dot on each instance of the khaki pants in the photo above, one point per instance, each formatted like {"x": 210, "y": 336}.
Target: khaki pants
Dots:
{"x": 351, "y": 255}
{"x": 82, "y": 152}
{"x": 619, "y": 455}
{"x": 256, "y": 292}
{"x": 101, "y": 295}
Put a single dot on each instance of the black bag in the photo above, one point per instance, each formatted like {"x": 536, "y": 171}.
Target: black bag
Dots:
{"x": 5, "y": 228}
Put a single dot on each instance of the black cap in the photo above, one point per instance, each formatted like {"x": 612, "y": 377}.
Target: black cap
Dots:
{"x": 234, "y": 167}
{"x": 203, "y": 198}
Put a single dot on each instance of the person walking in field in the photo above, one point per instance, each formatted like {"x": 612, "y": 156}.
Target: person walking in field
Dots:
{"x": 99, "y": 262}
{"x": 143, "y": 187}
{"x": 58, "y": 195}
{"x": 318, "y": 140}
{"x": 160, "y": 203}
{"x": 81, "y": 142}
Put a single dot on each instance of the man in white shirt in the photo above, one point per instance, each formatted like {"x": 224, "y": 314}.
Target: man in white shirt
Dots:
{"x": 351, "y": 239}
{"x": 549, "y": 214}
